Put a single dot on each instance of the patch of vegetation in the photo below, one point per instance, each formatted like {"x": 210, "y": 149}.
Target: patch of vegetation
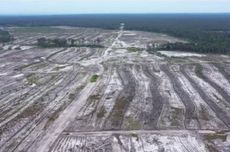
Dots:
{"x": 203, "y": 114}
{"x": 177, "y": 60}
{"x": 118, "y": 112}
{"x": 175, "y": 114}
{"x": 102, "y": 112}
{"x": 32, "y": 110}
{"x": 32, "y": 79}
{"x": 211, "y": 148}
{"x": 135, "y": 136}
{"x": 220, "y": 67}
{"x": 134, "y": 49}
{"x": 157, "y": 53}
{"x": 71, "y": 96}
{"x": 93, "y": 99}
{"x": 94, "y": 78}
{"x": 88, "y": 45}
{"x": 210, "y": 137}
{"x": 199, "y": 71}
{"x": 58, "y": 68}
{"x": 133, "y": 124}
{"x": 53, "y": 116}
{"x": 49, "y": 43}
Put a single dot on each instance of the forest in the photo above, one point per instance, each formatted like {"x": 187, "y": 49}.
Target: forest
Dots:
{"x": 206, "y": 33}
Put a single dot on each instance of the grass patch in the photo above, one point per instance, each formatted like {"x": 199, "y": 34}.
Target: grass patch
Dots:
{"x": 94, "y": 78}
{"x": 133, "y": 124}
{"x": 134, "y": 49}
{"x": 210, "y": 137}
{"x": 31, "y": 111}
{"x": 102, "y": 112}
{"x": 32, "y": 79}
{"x": 118, "y": 112}
{"x": 175, "y": 115}
{"x": 203, "y": 114}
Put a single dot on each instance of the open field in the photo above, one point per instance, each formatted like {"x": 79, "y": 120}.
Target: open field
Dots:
{"x": 117, "y": 98}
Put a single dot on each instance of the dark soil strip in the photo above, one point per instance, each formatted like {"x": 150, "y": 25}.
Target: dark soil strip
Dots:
{"x": 222, "y": 115}
{"x": 123, "y": 101}
{"x": 156, "y": 100}
{"x": 183, "y": 95}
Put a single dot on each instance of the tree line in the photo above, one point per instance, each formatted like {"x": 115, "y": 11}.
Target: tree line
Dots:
{"x": 49, "y": 43}
{"x": 206, "y": 33}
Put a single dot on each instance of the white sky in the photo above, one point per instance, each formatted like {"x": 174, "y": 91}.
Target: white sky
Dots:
{"x": 112, "y": 6}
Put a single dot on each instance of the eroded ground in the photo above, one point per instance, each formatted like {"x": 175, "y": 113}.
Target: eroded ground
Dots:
{"x": 166, "y": 101}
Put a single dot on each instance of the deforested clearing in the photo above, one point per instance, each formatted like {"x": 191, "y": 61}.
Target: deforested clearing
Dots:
{"x": 118, "y": 97}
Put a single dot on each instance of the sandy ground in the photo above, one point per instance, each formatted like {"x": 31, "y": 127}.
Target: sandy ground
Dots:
{"x": 138, "y": 101}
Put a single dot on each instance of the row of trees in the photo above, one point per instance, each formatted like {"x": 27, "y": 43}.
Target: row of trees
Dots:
{"x": 45, "y": 42}
{"x": 200, "y": 42}
{"x": 196, "y": 47}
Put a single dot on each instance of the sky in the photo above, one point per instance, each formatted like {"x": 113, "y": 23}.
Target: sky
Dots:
{"x": 49, "y": 7}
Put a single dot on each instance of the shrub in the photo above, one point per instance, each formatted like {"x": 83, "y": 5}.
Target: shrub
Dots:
{"x": 134, "y": 49}
{"x": 94, "y": 78}
{"x": 102, "y": 112}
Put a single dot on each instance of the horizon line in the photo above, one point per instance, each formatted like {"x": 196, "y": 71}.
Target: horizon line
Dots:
{"x": 161, "y": 13}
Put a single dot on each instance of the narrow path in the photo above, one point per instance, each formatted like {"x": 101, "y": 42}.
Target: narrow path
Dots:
{"x": 63, "y": 121}
{"x": 115, "y": 41}
{"x": 69, "y": 114}
{"x": 166, "y": 132}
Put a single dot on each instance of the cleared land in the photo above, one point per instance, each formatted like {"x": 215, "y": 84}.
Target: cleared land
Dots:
{"x": 117, "y": 98}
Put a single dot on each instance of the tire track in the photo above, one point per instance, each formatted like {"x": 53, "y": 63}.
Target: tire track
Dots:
{"x": 222, "y": 115}
{"x": 190, "y": 114}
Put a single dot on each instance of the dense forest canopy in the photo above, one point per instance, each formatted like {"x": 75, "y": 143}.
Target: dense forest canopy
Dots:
{"x": 207, "y": 33}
